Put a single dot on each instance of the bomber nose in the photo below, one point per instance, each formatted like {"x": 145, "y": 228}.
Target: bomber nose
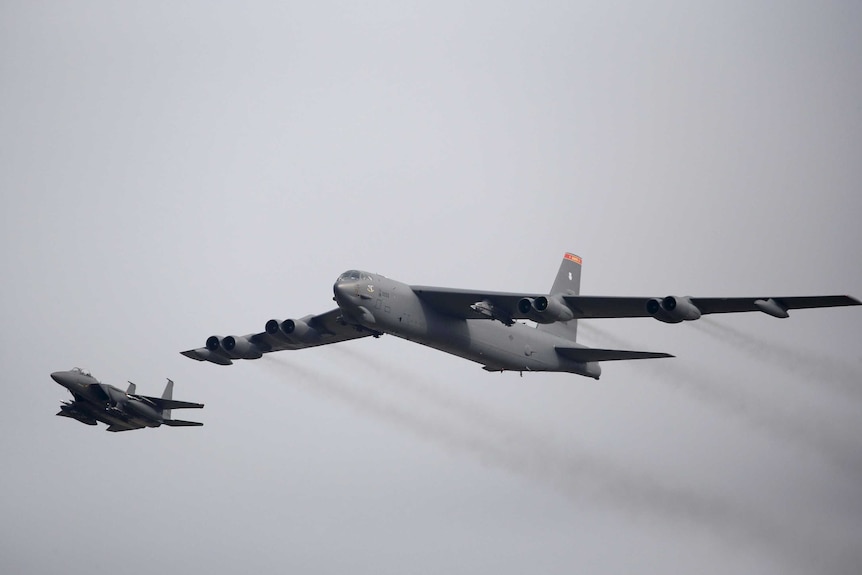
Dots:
{"x": 341, "y": 291}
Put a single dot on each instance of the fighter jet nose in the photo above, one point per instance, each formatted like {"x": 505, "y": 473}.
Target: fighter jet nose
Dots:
{"x": 60, "y": 377}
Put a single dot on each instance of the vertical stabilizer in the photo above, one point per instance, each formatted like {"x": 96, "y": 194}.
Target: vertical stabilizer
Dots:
{"x": 132, "y": 389}
{"x": 168, "y": 394}
{"x": 567, "y": 282}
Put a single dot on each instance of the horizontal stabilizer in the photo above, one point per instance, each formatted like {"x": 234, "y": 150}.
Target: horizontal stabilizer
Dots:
{"x": 171, "y": 403}
{"x": 181, "y": 423}
{"x": 115, "y": 428}
{"x": 586, "y": 354}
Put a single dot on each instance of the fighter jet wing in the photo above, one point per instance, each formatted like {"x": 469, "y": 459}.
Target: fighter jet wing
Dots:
{"x": 504, "y": 306}
{"x": 71, "y": 410}
{"x": 309, "y": 331}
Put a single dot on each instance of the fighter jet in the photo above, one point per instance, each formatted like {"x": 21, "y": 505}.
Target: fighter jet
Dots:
{"x": 120, "y": 410}
{"x": 483, "y": 326}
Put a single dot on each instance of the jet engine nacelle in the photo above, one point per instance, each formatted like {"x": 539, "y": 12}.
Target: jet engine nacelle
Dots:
{"x": 291, "y": 329}
{"x": 298, "y": 330}
{"x": 273, "y": 327}
{"x": 545, "y": 309}
{"x": 553, "y": 307}
{"x": 672, "y": 309}
{"x": 239, "y": 347}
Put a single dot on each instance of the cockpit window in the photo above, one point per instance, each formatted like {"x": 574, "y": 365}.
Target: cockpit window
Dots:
{"x": 355, "y": 275}
{"x": 81, "y": 371}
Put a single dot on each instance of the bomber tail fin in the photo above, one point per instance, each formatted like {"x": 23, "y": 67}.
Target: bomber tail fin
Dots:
{"x": 567, "y": 282}
{"x": 132, "y": 389}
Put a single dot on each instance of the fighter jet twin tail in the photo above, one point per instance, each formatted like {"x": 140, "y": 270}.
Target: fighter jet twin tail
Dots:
{"x": 480, "y": 326}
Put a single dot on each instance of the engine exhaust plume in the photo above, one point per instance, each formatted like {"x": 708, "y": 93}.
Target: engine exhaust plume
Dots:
{"x": 572, "y": 472}
{"x": 806, "y": 429}
{"x": 832, "y": 373}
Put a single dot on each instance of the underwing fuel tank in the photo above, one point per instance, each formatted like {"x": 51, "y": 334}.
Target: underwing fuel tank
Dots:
{"x": 772, "y": 307}
{"x": 592, "y": 369}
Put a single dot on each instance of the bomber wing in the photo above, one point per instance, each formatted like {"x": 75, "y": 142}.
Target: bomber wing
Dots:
{"x": 474, "y": 304}
{"x": 603, "y": 306}
{"x": 309, "y": 331}
{"x": 508, "y": 306}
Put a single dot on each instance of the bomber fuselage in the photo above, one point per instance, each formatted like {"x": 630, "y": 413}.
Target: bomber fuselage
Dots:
{"x": 385, "y": 305}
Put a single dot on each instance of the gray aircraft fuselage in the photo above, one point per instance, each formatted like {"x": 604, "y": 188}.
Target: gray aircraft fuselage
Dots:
{"x": 104, "y": 402}
{"x": 384, "y": 305}
{"x": 483, "y": 326}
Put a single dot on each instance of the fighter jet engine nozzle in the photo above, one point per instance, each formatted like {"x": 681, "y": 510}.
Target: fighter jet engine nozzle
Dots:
{"x": 298, "y": 330}
{"x": 214, "y": 342}
{"x": 239, "y": 347}
{"x": 673, "y": 309}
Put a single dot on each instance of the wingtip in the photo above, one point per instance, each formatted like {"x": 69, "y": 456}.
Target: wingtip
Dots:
{"x": 203, "y": 354}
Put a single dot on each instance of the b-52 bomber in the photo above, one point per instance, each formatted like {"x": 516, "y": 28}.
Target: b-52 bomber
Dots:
{"x": 120, "y": 410}
{"x": 481, "y": 326}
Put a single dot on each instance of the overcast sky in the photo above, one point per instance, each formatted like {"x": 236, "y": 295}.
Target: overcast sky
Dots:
{"x": 174, "y": 170}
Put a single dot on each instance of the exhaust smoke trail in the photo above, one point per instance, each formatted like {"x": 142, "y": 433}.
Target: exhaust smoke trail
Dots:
{"x": 832, "y": 446}
{"x": 459, "y": 409}
{"x": 840, "y": 376}
{"x": 577, "y": 475}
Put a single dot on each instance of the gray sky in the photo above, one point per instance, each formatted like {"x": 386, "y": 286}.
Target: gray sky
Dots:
{"x": 169, "y": 172}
